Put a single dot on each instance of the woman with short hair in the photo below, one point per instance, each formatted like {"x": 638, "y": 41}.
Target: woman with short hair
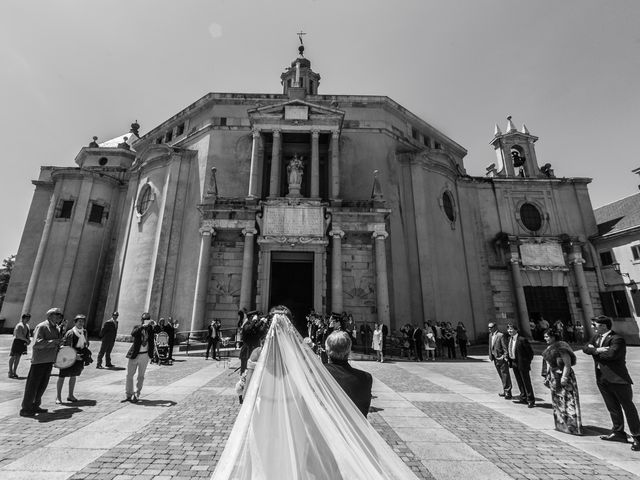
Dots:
{"x": 77, "y": 338}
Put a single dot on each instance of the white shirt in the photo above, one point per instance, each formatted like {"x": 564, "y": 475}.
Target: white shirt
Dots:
{"x": 512, "y": 346}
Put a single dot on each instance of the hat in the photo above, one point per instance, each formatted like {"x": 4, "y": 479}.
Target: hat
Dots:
{"x": 115, "y": 314}
{"x": 54, "y": 311}
{"x": 79, "y": 317}
{"x": 26, "y": 315}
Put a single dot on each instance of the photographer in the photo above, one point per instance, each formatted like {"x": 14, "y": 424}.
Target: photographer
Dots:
{"x": 139, "y": 354}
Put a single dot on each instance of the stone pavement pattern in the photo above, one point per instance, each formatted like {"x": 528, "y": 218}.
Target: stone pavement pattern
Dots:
{"x": 444, "y": 419}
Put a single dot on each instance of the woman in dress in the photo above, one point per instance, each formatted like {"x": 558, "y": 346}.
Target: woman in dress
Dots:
{"x": 430, "y": 343}
{"x": 377, "y": 342}
{"x": 76, "y": 338}
{"x": 559, "y": 377}
{"x": 21, "y": 338}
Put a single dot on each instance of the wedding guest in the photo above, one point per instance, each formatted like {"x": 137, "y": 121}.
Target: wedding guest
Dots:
{"x": 560, "y": 379}
{"x": 21, "y": 338}
{"x": 76, "y": 338}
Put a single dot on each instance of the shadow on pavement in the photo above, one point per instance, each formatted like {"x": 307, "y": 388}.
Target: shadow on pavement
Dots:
{"x": 155, "y": 403}
{"x": 592, "y": 431}
{"x": 543, "y": 405}
{"x": 83, "y": 403}
{"x": 115, "y": 369}
{"x": 58, "y": 414}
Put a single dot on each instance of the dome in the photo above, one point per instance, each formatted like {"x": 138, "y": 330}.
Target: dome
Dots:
{"x": 303, "y": 62}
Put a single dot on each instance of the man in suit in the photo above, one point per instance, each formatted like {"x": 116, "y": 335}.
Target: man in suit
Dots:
{"x": 520, "y": 355}
{"x": 46, "y": 343}
{"x": 609, "y": 350}
{"x": 498, "y": 355}
{"x": 108, "y": 334}
{"x": 355, "y": 383}
{"x": 170, "y": 329}
{"x": 418, "y": 342}
{"x": 139, "y": 354}
{"x": 213, "y": 337}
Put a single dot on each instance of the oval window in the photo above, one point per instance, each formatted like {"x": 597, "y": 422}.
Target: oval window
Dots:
{"x": 145, "y": 197}
{"x": 103, "y": 161}
{"x": 531, "y": 217}
{"x": 447, "y": 205}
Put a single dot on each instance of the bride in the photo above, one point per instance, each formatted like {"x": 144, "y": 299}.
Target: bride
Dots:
{"x": 296, "y": 422}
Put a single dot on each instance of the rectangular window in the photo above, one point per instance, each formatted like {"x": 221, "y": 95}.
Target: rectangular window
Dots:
{"x": 438, "y": 146}
{"x": 179, "y": 129}
{"x": 96, "y": 213}
{"x": 65, "y": 209}
{"x": 168, "y": 137}
{"x": 426, "y": 141}
{"x": 223, "y": 121}
{"x": 414, "y": 133}
{"x": 615, "y": 304}
{"x": 635, "y": 251}
{"x": 606, "y": 258}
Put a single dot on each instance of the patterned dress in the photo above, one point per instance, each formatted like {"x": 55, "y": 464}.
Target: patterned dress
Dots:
{"x": 565, "y": 400}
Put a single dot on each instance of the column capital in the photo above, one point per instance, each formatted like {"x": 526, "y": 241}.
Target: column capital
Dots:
{"x": 514, "y": 260}
{"x": 337, "y": 233}
{"x": 249, "y": 231}
{"x": 315, "y": 133}
{"x": 277, "y": 132}
{"x": 335, "y": 134}
{"x": 207, "y": 230}
{"x": 577, "y": 260}
{"x": 379, "y": 235}
{"x": 255, "y": 132}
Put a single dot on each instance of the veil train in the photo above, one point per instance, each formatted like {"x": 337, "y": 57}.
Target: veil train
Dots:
{"x": 296, "y": 422}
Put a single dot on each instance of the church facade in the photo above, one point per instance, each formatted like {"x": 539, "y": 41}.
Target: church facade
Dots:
{"x": 321, "y": 202}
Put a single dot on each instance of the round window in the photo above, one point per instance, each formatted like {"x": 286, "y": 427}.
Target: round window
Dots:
{"x": 447, "y": 205}
{"x": 531, "y": 217}
{"x": 145, "y": 197}
{"x": 103, "y": 161}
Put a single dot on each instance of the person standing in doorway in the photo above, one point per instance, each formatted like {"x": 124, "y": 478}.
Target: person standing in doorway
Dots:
{"x": 21, "y": 338}
{"x": 520, "y": 357}
{"x": 108, "y": 334}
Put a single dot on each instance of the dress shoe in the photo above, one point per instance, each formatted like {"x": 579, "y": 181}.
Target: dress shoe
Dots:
{"x": 501, "y": 394}
{"x": 635, "y": 446}
{"x": 520, "y": 401}
{"x": 531, "y": 404}
{"x": 27, "y": 413}
{"x": 110, "y": 365}
{"x": 614, "y": 437}
{"x": 98, "y": 366}
{"x": 508, "y": 397}
{"x": 40, "y": 410}
{"x": 72, "y": 399}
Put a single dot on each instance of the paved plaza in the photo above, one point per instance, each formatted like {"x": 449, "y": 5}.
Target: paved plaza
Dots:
{"x": 444, "y": 419}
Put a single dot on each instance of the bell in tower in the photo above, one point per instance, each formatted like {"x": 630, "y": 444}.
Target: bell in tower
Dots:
{"x": 299, "y": 80}
{"x": 516, "y": 154}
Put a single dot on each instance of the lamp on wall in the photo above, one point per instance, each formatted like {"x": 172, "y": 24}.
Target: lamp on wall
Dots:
{"x": 632, "y": 283}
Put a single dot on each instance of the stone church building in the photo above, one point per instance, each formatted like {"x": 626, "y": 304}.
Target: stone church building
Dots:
{"x": 326, "y": 202}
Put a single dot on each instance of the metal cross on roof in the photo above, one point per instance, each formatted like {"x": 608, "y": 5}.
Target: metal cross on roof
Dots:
{"x": 300, "y": 34}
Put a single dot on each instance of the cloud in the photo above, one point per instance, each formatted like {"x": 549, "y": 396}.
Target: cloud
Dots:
{"x": 215, "y": 30}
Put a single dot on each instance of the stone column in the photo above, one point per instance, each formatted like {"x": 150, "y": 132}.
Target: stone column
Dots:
{"x": 276, "y": 162}
{"x": 247, "y": 269}
{"x": 336, "y": 270}
{"x": 382, "y": 283}
{"x": 42, "y": 247}
{"x": 335, "y": 165}
{"x": 315, "y": 164}
{"x": 202, "y": 279}
{"x": 253, "y": 176}
{"x": 585, "y": 299}
{"x": 521, "y": 300}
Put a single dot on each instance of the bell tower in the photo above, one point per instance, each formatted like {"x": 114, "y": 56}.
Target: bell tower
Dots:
{"x": 299, "y": 80}
{"x": 515, "y": 151}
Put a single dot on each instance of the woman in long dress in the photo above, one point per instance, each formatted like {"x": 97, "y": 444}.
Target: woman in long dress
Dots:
{"x": 561, "y": 380}
{"x": 377, "y": 342}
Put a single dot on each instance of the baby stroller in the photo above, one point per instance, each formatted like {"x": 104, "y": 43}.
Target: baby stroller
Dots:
{"x": 161, "y": 353}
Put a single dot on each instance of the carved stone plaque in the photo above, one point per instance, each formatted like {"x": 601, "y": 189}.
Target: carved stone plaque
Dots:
{"x": 296, "y": 112}
{"x": 542, "y": 254}
{"x": 293, "y": 221}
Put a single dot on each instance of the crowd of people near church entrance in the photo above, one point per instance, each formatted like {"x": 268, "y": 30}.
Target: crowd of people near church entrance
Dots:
{"x": 510, "y": 352}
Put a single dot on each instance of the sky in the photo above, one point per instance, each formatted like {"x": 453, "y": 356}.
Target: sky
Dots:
{"x": 569, "y": 70}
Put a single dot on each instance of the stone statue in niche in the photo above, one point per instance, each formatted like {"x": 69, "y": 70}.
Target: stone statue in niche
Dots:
{"x": 295, "y": 170}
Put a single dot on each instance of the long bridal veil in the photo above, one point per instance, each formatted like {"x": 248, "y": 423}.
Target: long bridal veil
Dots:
{"x": 296, "y": 422}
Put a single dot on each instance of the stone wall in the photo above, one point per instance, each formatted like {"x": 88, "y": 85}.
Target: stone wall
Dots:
{"x": 358, "y": 278}
{"x": 225, "y": 273}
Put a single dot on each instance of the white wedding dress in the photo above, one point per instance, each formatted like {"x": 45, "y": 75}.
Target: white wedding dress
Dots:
{"x": 296, "y": 422}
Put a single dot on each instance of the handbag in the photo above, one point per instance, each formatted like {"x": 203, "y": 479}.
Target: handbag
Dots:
{"x": 86, "y": 356}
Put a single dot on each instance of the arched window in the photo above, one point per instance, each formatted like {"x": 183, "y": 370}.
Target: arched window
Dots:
{"x": 531, "y": 217}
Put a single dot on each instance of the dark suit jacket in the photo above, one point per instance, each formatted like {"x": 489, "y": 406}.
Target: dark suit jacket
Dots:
{"x": 610, "y": 365}
{"x": 417, "y": 336}
{"x": 524, "y": 354}
{"x": 109, "y": 330}
{"x": 136, "y": 333}
{"x": 355, "y": 383}
{"x": 499, "y": 348}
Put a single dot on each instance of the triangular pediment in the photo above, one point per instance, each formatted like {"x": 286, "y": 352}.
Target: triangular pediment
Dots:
{"x": 286, "y": 109}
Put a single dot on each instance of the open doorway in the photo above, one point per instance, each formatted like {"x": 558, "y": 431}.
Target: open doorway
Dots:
{"x": 291, "y": 284}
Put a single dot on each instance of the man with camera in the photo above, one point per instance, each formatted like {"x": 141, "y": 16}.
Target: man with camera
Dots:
{"x": 139, "y": 354}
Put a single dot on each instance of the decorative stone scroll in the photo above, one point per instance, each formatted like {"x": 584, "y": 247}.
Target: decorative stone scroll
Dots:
{"x": 297, "y": 221}
{"x": 546, "y": 254}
